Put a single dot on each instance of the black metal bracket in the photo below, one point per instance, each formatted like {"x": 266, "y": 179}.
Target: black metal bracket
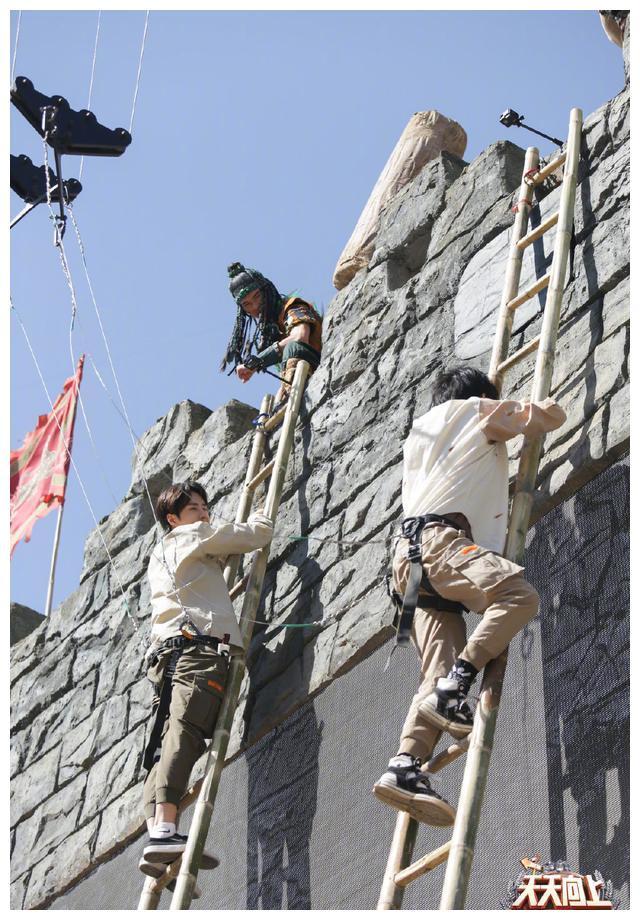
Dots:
{"x": 67, "y": 131}
{"x": 29, "y": 182}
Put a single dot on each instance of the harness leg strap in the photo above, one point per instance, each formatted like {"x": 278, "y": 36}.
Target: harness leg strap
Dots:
{"x": 162, "y": 712}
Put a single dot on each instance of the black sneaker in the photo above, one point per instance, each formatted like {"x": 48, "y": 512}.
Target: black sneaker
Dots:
{"x": 406, "y": 788}
{"x": 165, "y": 849}
{"x": 447, "y": 707}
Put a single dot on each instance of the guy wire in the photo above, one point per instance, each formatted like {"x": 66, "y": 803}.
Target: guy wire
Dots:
{"x": 135, "y": 94}
{"x": 93, "y": 70}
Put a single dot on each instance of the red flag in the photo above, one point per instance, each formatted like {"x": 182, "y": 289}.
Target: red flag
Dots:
{"x": 39, "y": 469}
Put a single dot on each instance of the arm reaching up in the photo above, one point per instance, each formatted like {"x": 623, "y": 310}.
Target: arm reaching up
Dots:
{"x": 501, "y": 420}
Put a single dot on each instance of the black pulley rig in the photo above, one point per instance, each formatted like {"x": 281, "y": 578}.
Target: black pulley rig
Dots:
{"x": 66, "y": 131}
{"x": 511, "y": 119}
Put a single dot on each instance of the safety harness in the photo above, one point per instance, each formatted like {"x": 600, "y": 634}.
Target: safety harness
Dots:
{"x": 178, "y": 645}
{"x": 418, "y": 585}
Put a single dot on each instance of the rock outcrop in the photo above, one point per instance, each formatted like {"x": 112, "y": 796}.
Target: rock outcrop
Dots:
{"x": 428, "y": 297}
{"x": 23, "y": 621}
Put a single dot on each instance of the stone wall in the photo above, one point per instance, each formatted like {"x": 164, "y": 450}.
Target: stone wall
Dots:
{"x": 429, "y": 296}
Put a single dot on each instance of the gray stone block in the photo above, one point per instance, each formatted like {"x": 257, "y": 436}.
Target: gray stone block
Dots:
{"x": 33, "y": 785}
{"x": 48, "y": 826}
{"x": 53, "y": 873}
{"x": 113, "y": 773}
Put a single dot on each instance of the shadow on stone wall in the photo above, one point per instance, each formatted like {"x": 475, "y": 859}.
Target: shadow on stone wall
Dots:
{"x": 283, "y": 790}
{"x": 263, "y": 663}
{"x": 283, "y": 769}
{"x": 585, "y": 649}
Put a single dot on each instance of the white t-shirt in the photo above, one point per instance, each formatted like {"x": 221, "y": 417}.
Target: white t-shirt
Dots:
{"x": 455, "y": 460}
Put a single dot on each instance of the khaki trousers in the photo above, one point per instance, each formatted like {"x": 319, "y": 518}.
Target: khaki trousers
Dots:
{"x": 197, "y": 691}
{"x": 484, "y": 582}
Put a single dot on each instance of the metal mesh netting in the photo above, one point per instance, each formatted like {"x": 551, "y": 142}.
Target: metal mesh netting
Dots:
{"x": 296, "y": 825}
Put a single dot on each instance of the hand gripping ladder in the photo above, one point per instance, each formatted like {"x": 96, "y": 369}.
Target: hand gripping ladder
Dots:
{"x": 185, "y": 869}
{"x": 458, "y": 852}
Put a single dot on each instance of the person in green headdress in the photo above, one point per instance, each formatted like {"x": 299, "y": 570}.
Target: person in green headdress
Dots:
{"x": 270, "y": 329}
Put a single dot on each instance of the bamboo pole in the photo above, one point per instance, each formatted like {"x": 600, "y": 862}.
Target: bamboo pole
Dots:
{"x": 56, "y": 537}
{"x": 514, "y": 265}
{"x": 275, "y": 420}
{"x": 542, "y": 174}
{"x": 422, "y": 866}
{"x": 264, "y": 473}
{"x": 539, "y": 231}
{"x": 519, "y": 355}
{"x": 444, "y": 758}
{"x": 535, "y": 288}
{"x": 238, "y": 588}
{"x": 246, "y": 499}
{"x": 402, "y": 845}
{"x": 217, "y": 751}
{"x": 150, "y": 897}
{"x": 54, "y": 559}
{"x": 465, "y": 829}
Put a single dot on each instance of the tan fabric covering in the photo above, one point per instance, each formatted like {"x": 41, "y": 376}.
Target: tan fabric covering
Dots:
{"x": 424, "y": 138}
{"x": 614, "y": 30}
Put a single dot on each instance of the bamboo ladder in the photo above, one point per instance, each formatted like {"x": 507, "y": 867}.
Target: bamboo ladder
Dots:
{"x": 458, "y": 852}
{"x": 185, "y": 869}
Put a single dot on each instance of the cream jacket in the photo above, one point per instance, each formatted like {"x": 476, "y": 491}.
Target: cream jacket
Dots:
{"x": 455, "y": 460}
{"x": 185, "y": 576}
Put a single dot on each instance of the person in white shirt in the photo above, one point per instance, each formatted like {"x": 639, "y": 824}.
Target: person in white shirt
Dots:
{"x": 194, "y": 631}
{"x": 455, "y": 503}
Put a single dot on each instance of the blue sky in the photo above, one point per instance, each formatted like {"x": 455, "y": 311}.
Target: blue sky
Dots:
{"x": 258, "y": 137}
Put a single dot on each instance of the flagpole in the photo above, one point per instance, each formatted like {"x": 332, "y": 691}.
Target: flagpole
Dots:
{"x": 54, "y": 559}
{"x": 56, "y": 538}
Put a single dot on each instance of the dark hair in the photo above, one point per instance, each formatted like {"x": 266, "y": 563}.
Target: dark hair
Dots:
{"x": 176, "y": 497}
{"x": 461, "y": 382}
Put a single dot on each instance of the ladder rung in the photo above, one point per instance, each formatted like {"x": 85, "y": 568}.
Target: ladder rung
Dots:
{"x": 261, "y": 476}
{"x": 171, "y": 872}
{"x": 519, "y": 355}
{"x": 542, "y": 174}
{"x": 239, "y": 587}
{"x": 540, "y": 284}
{"x": 535, "y": 234}
{"x": 422, "y": 866}
{"x": 444, "y": 758}
{"x": 274, "y": 420}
